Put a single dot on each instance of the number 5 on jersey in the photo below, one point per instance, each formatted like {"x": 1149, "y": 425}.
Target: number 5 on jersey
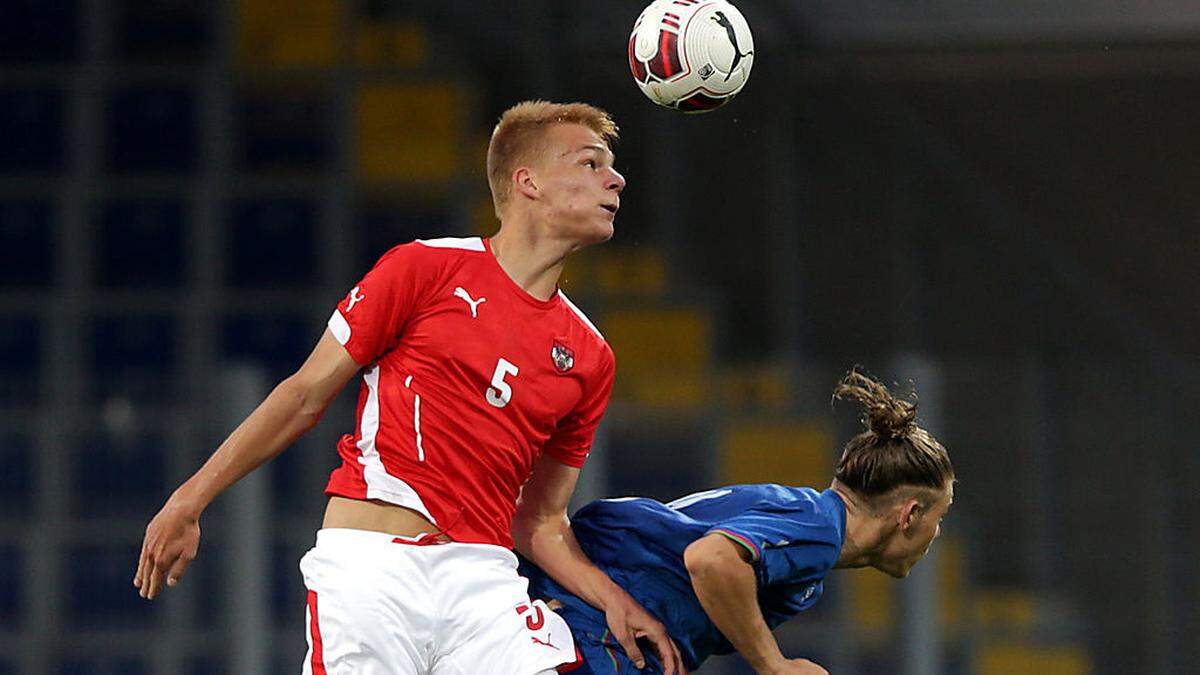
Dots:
{"x": 500, "y": 393}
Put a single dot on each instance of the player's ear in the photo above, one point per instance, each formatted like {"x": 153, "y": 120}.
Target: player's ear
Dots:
{"x": 910, "y": 513}
{"x": 524, "y": 182}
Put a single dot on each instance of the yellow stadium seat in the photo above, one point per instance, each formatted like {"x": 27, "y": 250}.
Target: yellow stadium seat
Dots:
{"x": 303, "y": 33}
{"x": 1004, "y": 610}
{"x": 392, "y": 44}
{"x": 1016, "y": 658}
{"x": 794, "y": 452}
{"x": 411, "y": 132}
{"x": 660, "y": 341}
{"x": 872, "y": 598}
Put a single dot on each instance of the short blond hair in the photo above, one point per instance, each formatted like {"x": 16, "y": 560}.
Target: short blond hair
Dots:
{"x": 518, "y": 138}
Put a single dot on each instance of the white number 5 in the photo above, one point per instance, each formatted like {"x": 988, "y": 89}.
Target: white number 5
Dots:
{"x": 500, "y": 393}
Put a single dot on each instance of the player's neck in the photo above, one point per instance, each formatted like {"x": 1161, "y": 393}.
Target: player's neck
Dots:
{"x": 533, "y": 263}
{"x": 863, "y": 532}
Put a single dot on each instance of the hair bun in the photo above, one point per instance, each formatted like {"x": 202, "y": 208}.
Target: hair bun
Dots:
{"x": 884, "y": 415}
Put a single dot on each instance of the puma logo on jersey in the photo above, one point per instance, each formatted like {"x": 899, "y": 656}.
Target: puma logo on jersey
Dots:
{"x": 354, "y": 297}
{"x": 460, "y": 292}
{"x": 547, "y": 643}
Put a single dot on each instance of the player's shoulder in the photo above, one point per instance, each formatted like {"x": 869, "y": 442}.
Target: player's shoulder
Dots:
{"x": 429, "y": 254}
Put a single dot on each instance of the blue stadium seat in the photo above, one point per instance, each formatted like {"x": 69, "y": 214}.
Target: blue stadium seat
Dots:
{"x": 207, "y": 666}
{"x": 31, "y": 124}
{"x": 36, "y": 31}
{"x": 16, "y": 456}
{"x": 646, "y": 460}
{"x": 26, "y": 243}
{"x": 134, "y": 357}
{"x": 10, "y": 586}
{"x": 97, "y": 666}
{"x": 161, "y": 31}
{"x": 283, "y": 129}
{"x": 20, "y": 359}
{"x": 117, "y": 475}
{"x": 386, "y": 223}
{"x": 141, "y": 243}
{"x": 152, "y": 130}
{"x": 272, "y": 242}
{"x": 278, "y": 342}
{"x": 99, "y": 593}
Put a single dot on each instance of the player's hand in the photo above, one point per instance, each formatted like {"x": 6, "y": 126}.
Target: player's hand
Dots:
{"x": 629, "y": 621}
{"x": 172, "y": 539}
{"x": 797, "y": 667}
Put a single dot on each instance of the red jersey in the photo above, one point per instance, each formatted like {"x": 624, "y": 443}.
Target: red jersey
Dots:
{"x": 468, "y": 380}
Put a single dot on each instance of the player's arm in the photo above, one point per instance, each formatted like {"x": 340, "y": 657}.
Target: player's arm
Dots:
{"x": 290, "y": 410}
{"x": 542, "y": 533}
{"x": 723, "y": 577}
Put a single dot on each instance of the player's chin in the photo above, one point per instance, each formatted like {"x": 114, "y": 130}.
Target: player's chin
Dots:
{"x": 598, "y": 233}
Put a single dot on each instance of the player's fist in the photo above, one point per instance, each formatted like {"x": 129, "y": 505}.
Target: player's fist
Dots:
{"x": 171, "y": 541}
{"x": 798, "y": 667}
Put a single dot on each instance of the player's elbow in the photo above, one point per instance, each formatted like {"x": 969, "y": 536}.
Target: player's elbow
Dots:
{"x": 301, "y": 403}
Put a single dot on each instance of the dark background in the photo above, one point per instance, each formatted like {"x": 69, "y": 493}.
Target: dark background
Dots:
{"x": 993, "y": 202}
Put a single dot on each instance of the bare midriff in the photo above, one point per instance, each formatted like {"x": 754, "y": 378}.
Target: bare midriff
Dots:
{"x": 375, "y": 516}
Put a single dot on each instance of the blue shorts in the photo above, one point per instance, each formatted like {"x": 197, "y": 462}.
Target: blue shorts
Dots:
{"x": 599, "y": 651}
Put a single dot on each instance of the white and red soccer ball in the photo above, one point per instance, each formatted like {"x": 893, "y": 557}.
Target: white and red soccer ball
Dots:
{"x": 691, "y": 55}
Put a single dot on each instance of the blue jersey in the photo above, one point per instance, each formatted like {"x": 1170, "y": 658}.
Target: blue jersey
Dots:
{"x": 793, "y": 535}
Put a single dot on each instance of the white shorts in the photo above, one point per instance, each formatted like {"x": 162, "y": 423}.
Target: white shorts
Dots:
{"x": 380, "y": 604}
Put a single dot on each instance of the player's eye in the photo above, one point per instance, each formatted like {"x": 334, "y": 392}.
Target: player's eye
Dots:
{"x": 591, "y": 163}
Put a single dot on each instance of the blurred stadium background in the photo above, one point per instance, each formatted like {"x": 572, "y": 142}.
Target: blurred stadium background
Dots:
{"x": 995, "y": 200}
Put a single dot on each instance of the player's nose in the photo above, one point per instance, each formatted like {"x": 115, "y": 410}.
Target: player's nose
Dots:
{"x": 615, "y": 182}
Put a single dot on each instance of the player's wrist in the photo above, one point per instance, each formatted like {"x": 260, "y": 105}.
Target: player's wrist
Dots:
{"x": 186, "y": 503}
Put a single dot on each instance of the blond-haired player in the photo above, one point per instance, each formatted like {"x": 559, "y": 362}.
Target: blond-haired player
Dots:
{"x": 481, "y": 383}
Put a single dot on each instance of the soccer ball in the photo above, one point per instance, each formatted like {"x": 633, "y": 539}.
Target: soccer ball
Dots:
{"x": 691, "y": 55}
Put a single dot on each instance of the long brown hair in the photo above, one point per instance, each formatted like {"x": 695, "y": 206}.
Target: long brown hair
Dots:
{"x": 894, "y": 451}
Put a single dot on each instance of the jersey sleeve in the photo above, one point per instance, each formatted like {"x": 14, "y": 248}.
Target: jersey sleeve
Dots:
{"x": 369, "y": 320}
{"x": 572, "y": 439}
{"x": 785, "y": 545}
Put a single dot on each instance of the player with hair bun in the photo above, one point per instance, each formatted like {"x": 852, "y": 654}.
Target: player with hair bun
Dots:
{"x": 722, "y": 568}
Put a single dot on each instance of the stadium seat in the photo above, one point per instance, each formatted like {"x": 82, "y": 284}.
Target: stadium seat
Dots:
{"x": 663, "y": 461}
{"x": 16, "y": 481}
{"x": 10, "y": 586}
{"x": 664, "y": 354}
{"x": 413, "y": 132}
{"x": 616, "y": 271}
{"x": 133, "y": 357}
{"x": 272, "y": 242}
{"x": 27, "y": 234}
{"x": 872, "y": 596}
{"x": 757, "y": 388}
{"x": 140, "y": 244}
{"x": 119, "y": 474}
{"x": 161, "y": 31}
{"x": 1007, "y": 658}
{"x": 272, "y": 34}
{"x": 32, "y": 126}
{"x": 35, "y": 31}
{"x": 97, "y": 666}
{"x": 283, "y": 127}
{"x": 793, "y": 452}
{"x": 1005, "y": 610}
{"x": 20, "y": 359}
{"x": 277, "y": 342}
{"x": 152, "y": 129}
{"x": 386, "y": 221}
{"x": 391, "y": 43}
{"x": 97, "y": 588}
